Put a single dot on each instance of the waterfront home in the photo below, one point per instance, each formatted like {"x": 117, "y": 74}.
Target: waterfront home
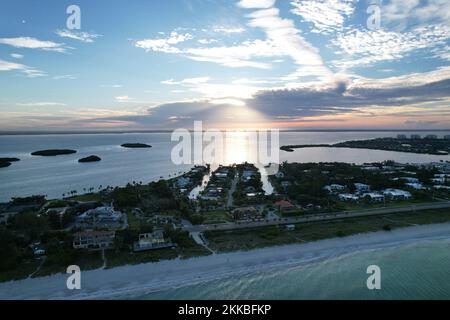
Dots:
{"x": 334, "y": 187}
{"x": 285, "y": 206}
{"x": 182, "y": 182}
{"x": 401, "y": 136}
{"x": 417, "y": 186}
{"x": 407, "y": 179}
{"x": 439, "y": 180}
{"x": 101, "y": 216}
{"x": 348, "y": 197}
{"x": 361, "y": 187}
{"x": 38, "y": 251}
{"x": 151, "y": 241}
{"x": 431, "y": 136}
{"x": 290, "y": 227}
{"x": 396, "y": 194}
{"x": 416, "y": 136}
{"x": 94, "y": 240}
{"x": 447, "y": 137}
{"x": 442, "y": 187}
{"x": 373, "y": 196}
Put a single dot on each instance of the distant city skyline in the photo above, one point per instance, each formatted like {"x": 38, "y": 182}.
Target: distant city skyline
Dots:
{"x": 153, "y": 65}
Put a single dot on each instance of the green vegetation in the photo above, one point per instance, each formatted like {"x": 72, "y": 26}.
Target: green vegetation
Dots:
{"x": 135, "y": 145}
{"x": 216, "y": 217}
{"x": 247, "y": 239}
{"x": 421, "y": 146}
{"x": 53, "y": 152}
{"x": 90, "y": 159}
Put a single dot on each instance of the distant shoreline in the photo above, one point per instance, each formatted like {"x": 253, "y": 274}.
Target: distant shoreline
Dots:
{"x": 134, "y": 281}
{"x": 32, "y": 133}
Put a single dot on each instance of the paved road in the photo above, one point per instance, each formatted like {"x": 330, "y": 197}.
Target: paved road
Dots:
{"x": 320, "y": 217}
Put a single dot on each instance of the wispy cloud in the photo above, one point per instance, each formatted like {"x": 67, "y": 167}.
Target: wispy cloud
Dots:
{"x": 33, "y": 43}
{"x": 80, "y": 36}
{"x": 164, "y": 44}
{"x": 365, "y": 47}
{"x": 28, "y": 71}
{"x": 41, "y": 104}
{"x": 17, "y": 55}
{"x": 326, "y": 16}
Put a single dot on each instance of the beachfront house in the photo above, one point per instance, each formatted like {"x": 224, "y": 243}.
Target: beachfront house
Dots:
{"x": 334, "y": 187}
{"x": 101, "y": 215}
{"x": 94, "y": 240}
{"x": 348, "y": 197}
{"x": 373, "y": 197}
{"x": 361, "y": 187}
{"x": 396, "y": 194}
{"x": 152, "y": 241}
{"x": 285, "y": 206}
{"x": 183, "y": 182}
{"x": 416, "y": 186}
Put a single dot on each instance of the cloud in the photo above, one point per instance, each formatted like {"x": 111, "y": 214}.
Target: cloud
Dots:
{"x": 123, "y": 98}
{"x": 164, "y": 44}
{"x": 33, "y": 43}
{"x": 17, "y": 55}
{"x": 228, "y": 29}
{"x": 286, "y": 38}
{"x": 65, "y": 77}
{"x": 325, "y": 15}
{"x": 398, "y": 98}
{"x": 256, "y": 4}
{"x": 80, "y": 36}
{"x": 188, "y": 81}
{"x": 282, "y": 39}
{"x": 28, "y": 71}
{"x": 401, "y": 14}
{"x": 41, "y": 104}
{"x": 207, "y": 41}
{"x": 365, "y": 47}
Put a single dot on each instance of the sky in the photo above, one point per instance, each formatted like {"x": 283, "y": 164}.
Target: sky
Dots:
{"x": 287, "y": 64}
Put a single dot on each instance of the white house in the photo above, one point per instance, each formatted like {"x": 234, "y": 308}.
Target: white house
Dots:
{"x": 348, "y": 197}
{"x": 334, "y": 187}
{"x": 396, "y": 194}
{"x": 417, "y": 186}
{"x": 373, "y": 196}
{"x": 361, "y": 187}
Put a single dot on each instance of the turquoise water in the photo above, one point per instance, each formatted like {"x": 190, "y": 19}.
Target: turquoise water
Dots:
{"x": 414, "y": 271}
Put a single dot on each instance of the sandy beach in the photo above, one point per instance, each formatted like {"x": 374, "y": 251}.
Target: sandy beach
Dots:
{"x": 137, "y": 280}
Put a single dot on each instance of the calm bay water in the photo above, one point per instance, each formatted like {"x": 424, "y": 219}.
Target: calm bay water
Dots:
{"x": 413, "y": 271}
{"x": 54, "y": 176}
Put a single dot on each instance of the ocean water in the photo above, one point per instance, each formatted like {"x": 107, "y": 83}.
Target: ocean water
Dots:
{"x": 413, "y": 271}
{"x": 54, "y": 176}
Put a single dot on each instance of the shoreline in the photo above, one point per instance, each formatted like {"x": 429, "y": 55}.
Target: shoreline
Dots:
{"x": 137, "y": 280}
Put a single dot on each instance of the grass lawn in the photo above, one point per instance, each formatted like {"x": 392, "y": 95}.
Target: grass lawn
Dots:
{"x": 86, "y": 260}
{"x": 216, "y": 217}
{"x": 247, "y": 239}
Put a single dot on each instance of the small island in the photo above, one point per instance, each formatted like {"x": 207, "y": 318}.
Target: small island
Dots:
{"x": 135, "y": 145}
{"x": 90, "y": 159}
{"x": 6, "y": 162}
{"x": 53, "y": 152}
{"x": 428, "y": 145}
{"x": 9, "y": 159}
